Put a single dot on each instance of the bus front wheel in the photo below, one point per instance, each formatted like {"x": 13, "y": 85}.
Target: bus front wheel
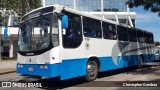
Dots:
{"x": 91, "y": 70}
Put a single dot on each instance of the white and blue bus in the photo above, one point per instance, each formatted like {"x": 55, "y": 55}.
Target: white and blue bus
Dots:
{"x": 56, "y": 41}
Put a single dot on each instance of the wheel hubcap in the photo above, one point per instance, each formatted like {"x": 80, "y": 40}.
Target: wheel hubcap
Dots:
{"x": 91, "y": 68}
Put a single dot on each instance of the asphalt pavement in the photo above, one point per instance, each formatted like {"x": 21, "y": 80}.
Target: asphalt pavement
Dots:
{"x": 110, "y": 80}
{"x": 7, "y": 66}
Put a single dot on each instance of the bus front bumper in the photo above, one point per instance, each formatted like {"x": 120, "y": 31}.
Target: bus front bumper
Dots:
{"x": 45, "y": 70}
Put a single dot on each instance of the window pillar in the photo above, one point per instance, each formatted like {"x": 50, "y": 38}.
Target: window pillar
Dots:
{"x": 74, "y": 4}
{"x": 102, "y": 8}
{"x": 43, "y": 3}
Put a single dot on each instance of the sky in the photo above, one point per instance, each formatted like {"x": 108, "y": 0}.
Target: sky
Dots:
{"x": 148, "y": 21}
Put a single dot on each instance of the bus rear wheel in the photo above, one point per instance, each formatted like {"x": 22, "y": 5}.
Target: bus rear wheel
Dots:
{"x": 141, "y": 62}
{"x": 91, "y": 70}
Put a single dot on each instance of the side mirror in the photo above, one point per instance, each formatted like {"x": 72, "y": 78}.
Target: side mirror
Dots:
{"x": 65, "y": 22}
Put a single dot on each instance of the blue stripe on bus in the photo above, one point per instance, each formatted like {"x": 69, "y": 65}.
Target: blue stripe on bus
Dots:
{"x": 77, "y": 67}
{"x": 108, "y": 64}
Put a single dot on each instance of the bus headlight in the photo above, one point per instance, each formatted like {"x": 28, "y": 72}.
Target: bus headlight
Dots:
{"x": 45, "y": 67}
{"x": 41, "y": 66}
{"x": 21, "y": 66}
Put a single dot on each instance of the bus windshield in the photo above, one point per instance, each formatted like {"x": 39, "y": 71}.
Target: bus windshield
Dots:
{"x": 34, "y": 33}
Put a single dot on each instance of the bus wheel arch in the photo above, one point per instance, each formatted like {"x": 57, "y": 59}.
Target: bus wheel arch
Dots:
{"x": 92, "y": 68}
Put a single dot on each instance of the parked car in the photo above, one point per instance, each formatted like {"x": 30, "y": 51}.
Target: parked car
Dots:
{"x": 157, "y": 54}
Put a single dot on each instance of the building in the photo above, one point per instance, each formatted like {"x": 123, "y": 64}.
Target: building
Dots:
{"x": 9, "y": 45}
{"x": 111, "y": 9}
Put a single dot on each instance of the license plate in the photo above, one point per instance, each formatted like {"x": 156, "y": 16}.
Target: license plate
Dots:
{"x": 30, "y": 69}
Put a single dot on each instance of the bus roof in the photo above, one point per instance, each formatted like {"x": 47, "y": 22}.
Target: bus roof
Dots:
{"x": 56, "y": 6}
{"x": 59, "y": 8}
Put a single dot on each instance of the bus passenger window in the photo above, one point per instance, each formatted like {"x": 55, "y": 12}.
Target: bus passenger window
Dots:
{"x": 109, "y": 31}
{"x": 151, "y": 39}
{"x": 132, "y": 35}
{"x": 148, "y": 37}
{"x": 140, "y": 35}
{"x": 92, "y": 28}
{"x": 122, "y": 33}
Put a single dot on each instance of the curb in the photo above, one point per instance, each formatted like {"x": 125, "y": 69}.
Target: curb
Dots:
{"x": 7, "y": 72}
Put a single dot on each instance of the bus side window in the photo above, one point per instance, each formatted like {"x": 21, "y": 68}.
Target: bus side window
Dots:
{"x": 109, "y": 31}
{"x": 92, "y": 28}
{"x": 146, "y": 37}
{"x": 150, "y": 39}
{"x": 122, "y": 33}
{"x": 140, "y": 36}
{"x": 132, "y": 35}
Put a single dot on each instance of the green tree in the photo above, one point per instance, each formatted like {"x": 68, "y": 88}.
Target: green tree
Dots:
{"x": 152, "y": 5}
{"x": 19, "y": 6}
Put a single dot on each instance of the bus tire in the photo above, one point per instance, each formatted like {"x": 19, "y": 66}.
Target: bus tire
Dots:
{"x": 141, "y": 62}
{"x": 91, "y": 70}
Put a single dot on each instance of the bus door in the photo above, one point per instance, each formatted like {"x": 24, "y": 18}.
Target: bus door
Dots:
{"x": 72, "y": 38}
